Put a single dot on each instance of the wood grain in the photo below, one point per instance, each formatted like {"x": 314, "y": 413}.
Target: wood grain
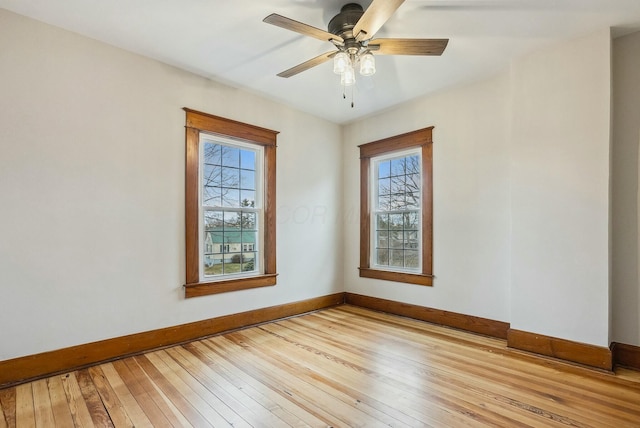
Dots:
{"x": 320, "y": 59}
{"x": 39, "y": 365}
{"x": 626, "y": 355}
{"x": 339, "y": 367}
{"x": 196, "y": 123}
{"x": 191, "y": 209}
{"x": 408, "y": 46}
{"x": 420, "y": 138}
{"x": 582, "y": 353}
{"x": 232, "y": 128}
{"x": 451, "y": 319}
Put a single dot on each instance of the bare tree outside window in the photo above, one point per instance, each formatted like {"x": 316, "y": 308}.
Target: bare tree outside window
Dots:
{"x": 397, "y": 212}
{"x": 229, "y": 184}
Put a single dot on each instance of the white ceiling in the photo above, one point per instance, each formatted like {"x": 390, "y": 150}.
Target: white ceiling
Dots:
{"x": 227, "y": 41}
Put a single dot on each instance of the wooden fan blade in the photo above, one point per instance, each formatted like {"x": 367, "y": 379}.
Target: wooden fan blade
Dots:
{"x": 378, "y": 12}
{"x": 308, "y": 64}
{"x": 299, "y": 27}
{"x": 408, "y": 46}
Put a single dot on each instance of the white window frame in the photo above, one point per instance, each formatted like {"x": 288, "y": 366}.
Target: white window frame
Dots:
{"x": 258, "y": 209}
{"x": 374, "y": 171}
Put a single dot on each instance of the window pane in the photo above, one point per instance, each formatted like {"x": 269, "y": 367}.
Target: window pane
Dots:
{"x": 382, "y": 221}
{"x": 384, "y": 203}
{"x": 212, "y": 154}
{"x": 412, "y": 164}
{"x": 397, "y": 201}
{"x": 247, "y": 179}
{"x": 411, "y": 221}
{"x": 382, "y": 239}
{"x": 248, "y": 221}
{"x": 396, "y": 258}
{"x": 396, "y": 221}
{"x": 230, "y": 156}
{"x": 382, "y": 257}
{"x": 232, "y": 220}
{"x": 384, "y": 169}
{"x": 231, "y": 198}
{"x": 247, "y": 198}
{"x": 411, "y": 240}
{"x": 217, "y": 240}
{"x": 413, "y": 200}
{"x": 213, "y": 220}
{"x": 411, "y": 259}
{"x": 230, "y": 178}
{"x": 397, "y": 166}
{"x": 248, "y": 262}
{"x": 211, "y": 175}
{"x": 397, "y": 184}
{"x": 413, "y": 182}
{"x": 396, "y": 239}
{"x": 247, "y": 159}
{"x": 384, "y": 186}
{"x": 211, "y": 196}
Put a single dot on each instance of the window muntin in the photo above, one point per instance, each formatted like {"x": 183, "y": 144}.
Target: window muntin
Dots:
{"x": 396, "y": 211}
{"x": 231, "y": 211}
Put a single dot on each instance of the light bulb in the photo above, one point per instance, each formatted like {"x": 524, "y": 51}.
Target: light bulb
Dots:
{"x": 348, "y": 78}
{"x": 341, "y": 62}
{"x": 367, "y": 64}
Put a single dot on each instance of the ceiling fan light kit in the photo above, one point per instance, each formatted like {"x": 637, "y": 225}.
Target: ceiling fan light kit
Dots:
{"x": 351, "y": 32}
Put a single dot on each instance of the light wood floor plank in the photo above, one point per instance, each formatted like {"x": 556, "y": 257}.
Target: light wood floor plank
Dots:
{"x": 59, "y": 403}
{"x": 96, "y": 408}
{"x": 25, "y": 412}
{"x": 252, "y": 412}
{"x": 129, "y": 403}
{"x": 42, "y": 404}
{"x": 3, "y": 418}
{"x": 455, "y": 378}
{"x": 184, "y": 398}
{"x": 146, "y": 403}
{"x": 275, "y": 403}
{"x": 8, "y": 404}
{"x": 77, "y": 404}
{"x": 109, "y": 398}
{"x": 340, "y": 367}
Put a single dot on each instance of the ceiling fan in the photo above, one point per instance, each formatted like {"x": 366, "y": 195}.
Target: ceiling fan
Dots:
{"x": 351, "y": 31}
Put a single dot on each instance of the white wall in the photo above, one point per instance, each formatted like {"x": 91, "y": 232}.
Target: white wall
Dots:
{"x": 560, "y": 190}
{"x": 521, "y": 199}
{"x": 92, "y": 200}
{"x": 471, "y": 199}
{"x": 625, "y": 178}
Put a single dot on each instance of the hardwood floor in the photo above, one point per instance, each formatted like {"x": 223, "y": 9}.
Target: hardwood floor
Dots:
{"x": 340, "y": 367}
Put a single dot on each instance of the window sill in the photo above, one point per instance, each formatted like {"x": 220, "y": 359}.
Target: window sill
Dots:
{"x": 410, "y": 278}
{"x": 224, "y": 286}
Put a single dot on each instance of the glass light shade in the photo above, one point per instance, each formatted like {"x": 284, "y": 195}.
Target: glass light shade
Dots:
{"x": 348, "y": 78}
{"x": 367, "y": 64}
{"x": 341, "y": 62}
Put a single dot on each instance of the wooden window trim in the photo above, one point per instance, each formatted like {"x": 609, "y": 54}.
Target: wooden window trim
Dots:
{"x": 421, "y": 138}
{"x": 197, "y": 122}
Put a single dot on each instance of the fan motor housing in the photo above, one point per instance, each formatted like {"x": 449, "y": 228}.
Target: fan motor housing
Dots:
{"x": 342, "y": 24}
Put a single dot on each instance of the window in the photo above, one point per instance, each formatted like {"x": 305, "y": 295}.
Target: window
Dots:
{"x": 396, "y": 208}
{"x": 229, "y": 205}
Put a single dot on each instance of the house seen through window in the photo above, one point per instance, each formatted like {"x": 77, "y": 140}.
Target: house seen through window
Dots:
{"x": 231, "y": 207}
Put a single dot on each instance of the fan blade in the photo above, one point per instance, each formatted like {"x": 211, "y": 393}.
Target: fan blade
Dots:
{"x": 308, "y": 64}
{"x": 304, "y": 29}
{"x": 408, "y": 46}
{"x": 378, "y": 12}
